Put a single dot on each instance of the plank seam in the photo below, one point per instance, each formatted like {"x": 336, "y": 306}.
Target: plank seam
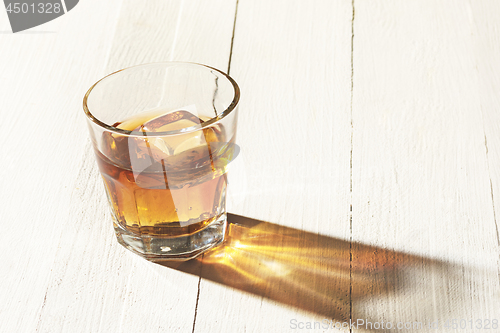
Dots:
{"x": 491, "y": 191}
{"x": 350, "y": 168}
{"x": 197, "y": 295}
{"x": 228, "y": 71}
{"x": 232, "y": 37}
{"x": 492, "y": 197}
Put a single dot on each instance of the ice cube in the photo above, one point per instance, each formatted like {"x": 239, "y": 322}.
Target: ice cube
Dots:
{"x": 182, "y": 147}
{"x": 170, "y": 153}
{"x": 174, "y": 121}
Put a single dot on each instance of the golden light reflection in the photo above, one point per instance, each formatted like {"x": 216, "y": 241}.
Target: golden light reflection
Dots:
{"x": 308, "y": 271}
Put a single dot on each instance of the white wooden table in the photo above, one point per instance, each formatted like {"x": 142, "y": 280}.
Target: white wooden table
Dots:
{"x": 370, "y": 135}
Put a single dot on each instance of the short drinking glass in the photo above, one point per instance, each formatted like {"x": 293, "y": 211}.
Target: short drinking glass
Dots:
{"x": 163, "y": 135}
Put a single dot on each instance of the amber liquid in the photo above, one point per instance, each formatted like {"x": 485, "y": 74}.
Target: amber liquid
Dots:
{"x": 166, "y": 186}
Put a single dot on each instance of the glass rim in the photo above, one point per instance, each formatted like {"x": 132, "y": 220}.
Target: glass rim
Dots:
{"x": 201, "y": 126}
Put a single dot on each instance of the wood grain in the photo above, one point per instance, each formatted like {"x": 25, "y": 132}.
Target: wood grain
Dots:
{"x": 387, "y": 107}
{"x": 420, "y": 171}
{"x": 187, "y": 30}
{"x": 292, "y": 62}
{"x": 74, "y": 275}
{"x": 41, "y": 86}
{"x": 138, "y": 292}
{"x": 486, "y": 48}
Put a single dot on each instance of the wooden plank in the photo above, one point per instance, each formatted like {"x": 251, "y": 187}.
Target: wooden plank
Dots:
{"x": 75, "y": 277}
{"x": 485, "y": 29}
{"x": 293, "y": 66}
{"x": 187, "y": 30}
{"x": 138, "y": 295}
{"x": 420, "y": 174}
{"x": 45, "y": 72}
{"x": 424, "y": 177}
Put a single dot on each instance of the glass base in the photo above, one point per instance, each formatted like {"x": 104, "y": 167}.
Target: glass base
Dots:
{"x": 174, "y": 248}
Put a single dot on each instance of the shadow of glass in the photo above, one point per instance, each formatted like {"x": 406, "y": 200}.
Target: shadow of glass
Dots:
{"x": 315, "y": 273}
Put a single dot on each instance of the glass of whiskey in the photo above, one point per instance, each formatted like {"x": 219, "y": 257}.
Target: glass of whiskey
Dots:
{"x": 164, "y": 135}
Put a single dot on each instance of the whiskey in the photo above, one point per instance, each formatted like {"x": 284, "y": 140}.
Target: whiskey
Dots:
{"x": 165, "y": 185}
